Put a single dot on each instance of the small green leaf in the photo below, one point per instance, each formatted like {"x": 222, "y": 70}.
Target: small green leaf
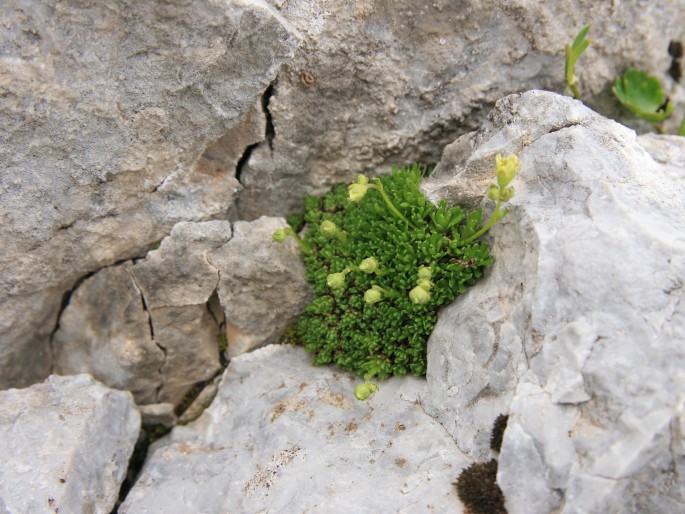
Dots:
{"x": 580, "y": 38}
{"x": 642, "y": 95}
{"x": 573, "y": 52}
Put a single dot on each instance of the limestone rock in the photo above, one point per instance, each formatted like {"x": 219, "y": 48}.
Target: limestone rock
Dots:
{"x": 158, "y": 414}
{"x": 578, "y": 331}
{"x": 65, "y": 445}
{"x": 105, "y": 331}
{"x": 285, "y": 436}
{"x": 263, "y": 287}
{"x": 147, "y": 328}
{"x": 377, "y": 83}
{"x": 106, "y": 109}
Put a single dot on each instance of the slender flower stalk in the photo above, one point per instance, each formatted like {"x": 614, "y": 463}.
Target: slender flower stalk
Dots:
{"x": 281, "y": 234}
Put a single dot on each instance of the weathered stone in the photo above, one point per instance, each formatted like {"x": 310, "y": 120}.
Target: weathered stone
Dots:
{"x": 224, "y": 155}
{"x": 65, "y": 445}
{"x": 263, "y": 286}
{"x": 158, "y": 414}
{"x": 382, "y": 82}
{"x": 106, "y": 109}
{"x": 278, "y": 421}
{"x": 201, "y": 402}
{"x": 578, "y": 331}
{"x": 105, "y": 331}
{"x": 147, "y": 328}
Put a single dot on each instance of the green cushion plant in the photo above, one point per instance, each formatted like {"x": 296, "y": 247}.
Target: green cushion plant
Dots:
{"x": 381, "y": 260}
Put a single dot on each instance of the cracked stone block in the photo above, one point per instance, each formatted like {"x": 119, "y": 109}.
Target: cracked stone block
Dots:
{"x": 105, "y": 331}
{"x": 223, "y": 155}
{"x": 146, "y": 327}
{"x": 377, "y": 83}
{"x": 178, "y": 272}
{"x": 278, "y": 423}
{"x": 65, "y": 445}
{"x": 578, "y": 329}
{"x": 189, "y": 336}
{"x": 262, "y": 288}
{"x": 107, "y": 107}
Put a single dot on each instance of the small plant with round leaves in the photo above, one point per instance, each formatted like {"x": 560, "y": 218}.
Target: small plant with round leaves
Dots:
{"x": 381, "y": 260}
{"x": 643, "y": 95}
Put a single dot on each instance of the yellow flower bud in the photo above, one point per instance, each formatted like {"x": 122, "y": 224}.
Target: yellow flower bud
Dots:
{"x": 357, "y": 191}
{"x": 368, "y": 265}
{"x": 506, "y": 169}
{"x": 335, "y": 280}
{"x": 419, "y": 295}
{"x": 362, "y": 179}
{"x": 329, "y": 228}
{"x": 424, "y": 284}
{"x": 373, "y": 295}
{"x": 280, "y": 235}
{"x": 365, "y": 390}
{"x": 507, "y": 194}
{"x": 425, "y": 272}
{"x": 493, "y": 193}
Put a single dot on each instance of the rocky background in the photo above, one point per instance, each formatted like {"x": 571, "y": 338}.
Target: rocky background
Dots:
{"x": 149, "y": 150}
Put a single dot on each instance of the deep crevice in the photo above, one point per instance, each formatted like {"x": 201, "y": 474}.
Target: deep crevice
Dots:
{"x": 270, "y": 131}
{"x": 243, "y": 160}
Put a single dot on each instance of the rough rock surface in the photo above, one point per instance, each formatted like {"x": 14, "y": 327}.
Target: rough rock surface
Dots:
{"x": 284, "y": 436}
{"x": 578, "y": 332}
{"x": 383, "y": 82}
{"x": 65, "y": 445}
{"x": 106, "y": 107}
{"x": 153, "y": 327}
{"x": 147, "y": 328}
{"x": 263, "y": 286}
{"x": 105, "y": 331}
{"x": 177, "y": 281}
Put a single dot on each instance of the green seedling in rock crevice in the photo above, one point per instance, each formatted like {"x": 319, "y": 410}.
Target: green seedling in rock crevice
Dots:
{"x": 381, "y": 260}
{"x": 573, "y": 52}
{"x": 642, "y": 95}
{"x": 681, "y": 130}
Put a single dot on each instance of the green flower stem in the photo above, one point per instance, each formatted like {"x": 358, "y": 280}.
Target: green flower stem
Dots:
{"x": 378, "y": 185}
{"x": 388, "y": 292}
{"x": 496, "y": 216}
{"x": 304, "y": 246}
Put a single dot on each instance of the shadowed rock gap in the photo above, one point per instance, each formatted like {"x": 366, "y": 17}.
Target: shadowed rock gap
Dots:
{"x": 270, "y": 131}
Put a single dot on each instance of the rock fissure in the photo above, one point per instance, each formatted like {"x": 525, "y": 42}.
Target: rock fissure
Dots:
{"x": 160, "y": 369}
{"x": 270, "y": 130}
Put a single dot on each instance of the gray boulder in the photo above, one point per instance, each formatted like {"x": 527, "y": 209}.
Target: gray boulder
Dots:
{"x": 578, "y": 331}
{"x": 105, "y": 331}
{"x": 147, "y": 327}
{"x": 65, "y": 445}
{"x": 377, "y": 83}
{"x": 284, "y": 436}
{"x": 263, "y": 287}
{"x": 153, "y": 327}
{"x": 106, "y": 109}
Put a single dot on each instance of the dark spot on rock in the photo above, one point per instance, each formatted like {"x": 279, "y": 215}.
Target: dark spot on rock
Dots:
{"x": 307, "y": 78}
{"x": 675, "y": 49}
{"x": 478, "y": 490}
{"x": 498, "y": 432}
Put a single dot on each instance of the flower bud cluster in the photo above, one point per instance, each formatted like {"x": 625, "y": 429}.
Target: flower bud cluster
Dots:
{"x": 422, "y": 292}
{"x": 506, "y": 169}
